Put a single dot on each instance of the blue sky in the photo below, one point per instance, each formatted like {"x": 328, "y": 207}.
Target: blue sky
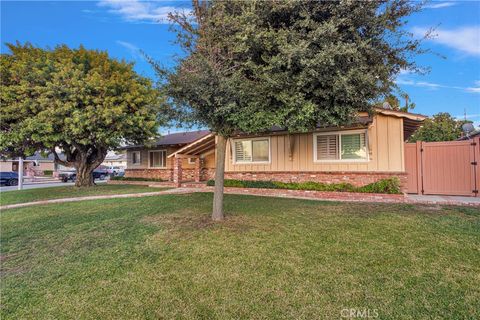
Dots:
{"x": 124, "y": 28}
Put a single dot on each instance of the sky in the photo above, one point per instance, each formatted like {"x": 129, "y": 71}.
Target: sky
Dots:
{"x": 126, "y": 28}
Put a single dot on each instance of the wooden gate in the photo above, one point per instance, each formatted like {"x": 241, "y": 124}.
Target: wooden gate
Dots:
{"x": 445, "y": 168}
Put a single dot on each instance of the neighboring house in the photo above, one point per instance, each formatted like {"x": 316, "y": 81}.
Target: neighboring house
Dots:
{"x": 36, "y": 165}
{"x": 370, "y": 149}
{"x": 116, "y": 160}
{"x": 471, "y": 135}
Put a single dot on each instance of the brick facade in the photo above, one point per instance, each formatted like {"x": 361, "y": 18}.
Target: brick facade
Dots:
{"x": 320, "y": 195}
{"x": 164, "y": 174}
{"x": 355, "y": 178}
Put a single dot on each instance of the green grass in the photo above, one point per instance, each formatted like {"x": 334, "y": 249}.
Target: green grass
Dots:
{"x": 162, "y": 257}
{"x": 12, "y": 197}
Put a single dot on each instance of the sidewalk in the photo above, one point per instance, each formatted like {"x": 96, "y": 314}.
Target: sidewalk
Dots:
{"x": 446, "y": 200}
{"x": 115, "y": 196}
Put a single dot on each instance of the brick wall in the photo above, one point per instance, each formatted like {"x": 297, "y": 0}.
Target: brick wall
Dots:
{"x": 164, "y": 174}
{"x": 207, "y": 174}
{"x": 355, "y": 178}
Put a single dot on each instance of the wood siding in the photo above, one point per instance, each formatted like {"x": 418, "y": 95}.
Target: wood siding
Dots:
{"x": 385, "y": 144}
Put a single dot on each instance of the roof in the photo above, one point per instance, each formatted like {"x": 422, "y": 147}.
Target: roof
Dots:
{"x": 471, "y": 135}
{"x": 116, "y": 157}
{"x": 37, "y": 156}
{"x": 401, "y": 114}
{"x": 178, "y": 138}
{"x": 197, "y": 146}
{"x": 360, "y": 121}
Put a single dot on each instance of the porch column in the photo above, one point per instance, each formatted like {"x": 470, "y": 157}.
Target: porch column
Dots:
{"x": 198, "y": 169}
{"x": 177, "y": 171}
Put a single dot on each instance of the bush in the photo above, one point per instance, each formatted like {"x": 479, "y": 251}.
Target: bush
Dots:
{"x": 47, "y": 172}
{"x": 390, "y": 185}
{"x": 136, "y": 179}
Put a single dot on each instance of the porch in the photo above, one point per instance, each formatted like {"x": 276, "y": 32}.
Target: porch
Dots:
{"x": 196, "y": 151}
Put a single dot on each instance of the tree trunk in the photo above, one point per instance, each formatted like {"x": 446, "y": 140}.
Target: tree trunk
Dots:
{"x": 84, "y": 175}
{"x": 217, "y": 213}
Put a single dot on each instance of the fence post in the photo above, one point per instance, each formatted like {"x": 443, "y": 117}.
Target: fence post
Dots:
{"x": 476, "y": 159}
{"x": 419, "y": 146}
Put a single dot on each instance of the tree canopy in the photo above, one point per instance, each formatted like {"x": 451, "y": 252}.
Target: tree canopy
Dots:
{"x": 395, "y": 103}
{"x": 440, "y": 127}
{"x": 79, "y": 101}
{"x": 251, "y": 65}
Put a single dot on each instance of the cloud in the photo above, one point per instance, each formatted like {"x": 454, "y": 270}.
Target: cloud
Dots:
{"x": 435, "y": 86}
{"x": 468, "y": 116}
{"x": 136, "y": 11}
{"x": 475, "y": 88}
{"x": 439, "y": 5}
{"x": 465, "y": 39}
{"x": 133, "y": 49}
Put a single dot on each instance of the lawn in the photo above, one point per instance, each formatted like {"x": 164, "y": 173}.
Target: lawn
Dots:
{"x": 162, "y": 257}
{"x": 11, "y": 197}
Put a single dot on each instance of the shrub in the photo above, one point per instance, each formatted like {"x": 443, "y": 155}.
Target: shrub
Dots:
{"x": 136, "y": 179}
{"x": 390, "y": 185}
{"x": 47, "y": 172}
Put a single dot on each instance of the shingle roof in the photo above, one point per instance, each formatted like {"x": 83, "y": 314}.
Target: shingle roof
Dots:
{"x": 178, "y": 138}
{"x": 471, "y": 135}
{"x": 37, "y": 156}
{"x": 119, "y": 157}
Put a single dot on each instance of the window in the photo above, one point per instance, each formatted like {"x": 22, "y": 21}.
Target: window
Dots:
{"x": 191, "y": 160}
{"x": 157, "y": 159}
{"x": 252, "y": 150}
{"x": 136, "y": 157}
{"x": 342, "y": 146}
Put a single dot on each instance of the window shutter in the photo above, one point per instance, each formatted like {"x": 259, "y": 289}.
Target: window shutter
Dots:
{"x": 327, "y": 147}
{"x": 242, "y": 151}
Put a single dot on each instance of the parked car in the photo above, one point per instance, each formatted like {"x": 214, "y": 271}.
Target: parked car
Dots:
{"x": 115, "y": 170}
{"x": 71, "y": 175}
{"x": 8, "y": 178}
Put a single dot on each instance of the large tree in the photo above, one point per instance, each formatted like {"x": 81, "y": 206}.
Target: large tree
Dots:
{"x": 253, "y": 64}
{"x": 79, "y": 101}
{"x": 440, "y": 127}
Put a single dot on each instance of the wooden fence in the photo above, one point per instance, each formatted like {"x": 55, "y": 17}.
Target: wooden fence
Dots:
{"x": 444, "y": 168}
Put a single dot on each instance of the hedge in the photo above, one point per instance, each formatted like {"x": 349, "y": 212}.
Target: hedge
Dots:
{"x": 47, "y": 172}
{"x": 136, "y": 179}
{"x": 389, "y": 186}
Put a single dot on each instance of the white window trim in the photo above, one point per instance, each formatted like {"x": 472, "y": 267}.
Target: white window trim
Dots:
{"x": 339, "y": 133}
{"x": 190, "y": 160}
{"x": 148, "y": 160}
{"x": 252, "y": 162}
{"x": 139, "y": 158}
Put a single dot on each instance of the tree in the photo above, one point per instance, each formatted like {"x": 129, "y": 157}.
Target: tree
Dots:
{"x": 77, "y": 100}
{"x": 253, "y": 64}
{"x": 395, "y": 103}
{"x": 441, "y": 127}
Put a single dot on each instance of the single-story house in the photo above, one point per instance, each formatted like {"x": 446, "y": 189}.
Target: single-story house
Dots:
{"x": 35, "y": 165}
{"x": 368, "y": 150}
